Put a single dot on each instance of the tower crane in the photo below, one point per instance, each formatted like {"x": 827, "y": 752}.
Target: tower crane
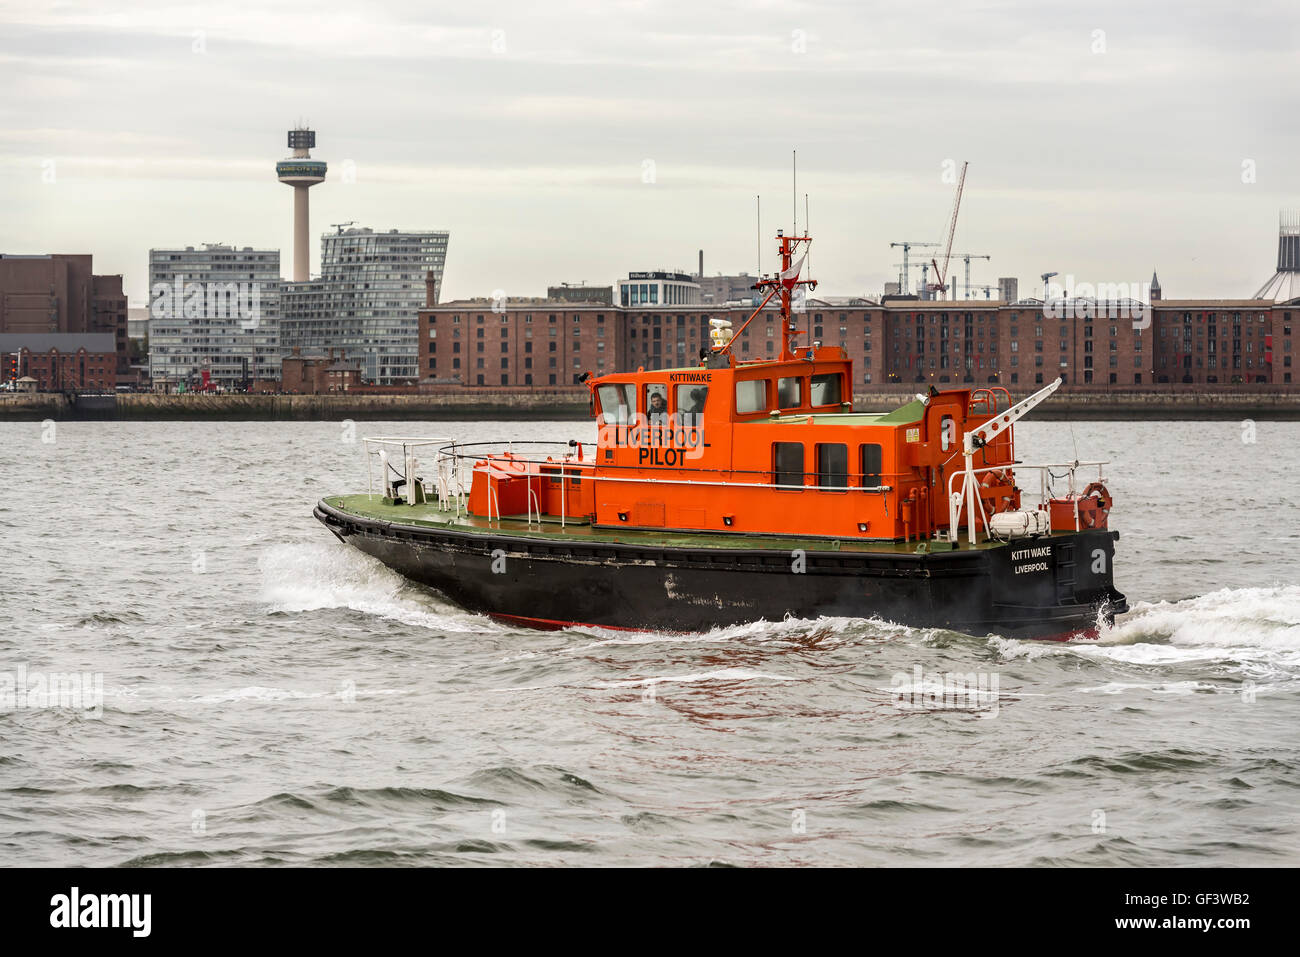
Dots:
{"x": 940, "y": 275}
{"x": 967, "y": 257}
{"x": 907, "y": 245}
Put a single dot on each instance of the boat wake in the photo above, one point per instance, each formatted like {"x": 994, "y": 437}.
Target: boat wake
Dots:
{"x": 1252, "y": 633}
{"x": 298, "y": 578}
{"x": 1266, "y": 618}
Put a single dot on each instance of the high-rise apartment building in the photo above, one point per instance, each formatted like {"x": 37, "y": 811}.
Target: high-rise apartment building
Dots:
{"x": 367, "y": 300}
{"x": 215, "y": 309}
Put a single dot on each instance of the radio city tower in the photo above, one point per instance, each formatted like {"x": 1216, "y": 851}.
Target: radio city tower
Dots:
{"x": 302, "y": 173}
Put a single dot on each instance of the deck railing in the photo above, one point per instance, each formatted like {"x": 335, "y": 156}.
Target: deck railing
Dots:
{"x": 454, "y": 464}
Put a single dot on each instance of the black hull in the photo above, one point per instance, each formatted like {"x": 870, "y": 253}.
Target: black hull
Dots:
{"x": 553, "y": 583}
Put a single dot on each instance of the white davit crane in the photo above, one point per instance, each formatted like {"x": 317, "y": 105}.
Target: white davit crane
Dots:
{"x": 976, "y": 439}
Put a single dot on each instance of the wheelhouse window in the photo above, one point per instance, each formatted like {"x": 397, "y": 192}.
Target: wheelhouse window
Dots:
{"x": 787, "y": 463}
{"x": 751, "y": 396}
{"x": 789, "y": 393}
{"x": 870, "y": 456}
{"x": 832, "y": 465}
{"x": 656, "y": 402}
{"x": 690, "y": 402}
{"x": 617, "y": 402}
{"x": 826, "y": 389}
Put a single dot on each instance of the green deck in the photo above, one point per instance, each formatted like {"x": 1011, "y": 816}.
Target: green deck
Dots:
{"x": 912, "y": 412}
{"x": 430, "y": 516}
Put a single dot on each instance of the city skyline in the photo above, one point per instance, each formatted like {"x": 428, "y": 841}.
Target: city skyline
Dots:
{"x": 632, "y": 141}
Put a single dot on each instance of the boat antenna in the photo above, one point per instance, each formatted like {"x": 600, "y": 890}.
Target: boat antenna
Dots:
{"x": 806, "y": 220}
{"x": 807, "y": 313}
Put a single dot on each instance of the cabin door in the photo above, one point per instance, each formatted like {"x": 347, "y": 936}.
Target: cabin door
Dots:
{"x": 943, "y": 435}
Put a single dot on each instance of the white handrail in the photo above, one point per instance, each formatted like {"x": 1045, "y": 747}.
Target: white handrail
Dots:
{"x": 378, "y": 445}
{"x": 955, "y": 498}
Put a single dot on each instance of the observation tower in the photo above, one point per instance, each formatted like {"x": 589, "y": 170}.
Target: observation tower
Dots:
{"x": 302, "y": 173}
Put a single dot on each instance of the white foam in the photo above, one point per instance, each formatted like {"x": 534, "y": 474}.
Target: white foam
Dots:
{"x": 1230, "y": 617}
{"x": 717, "y": 674}
{"x": 787, "y": 630}
{"x": 1164, "y": 687}
{"x": 1250, "y": 630}
{"x": 261, "y": 693}
{"x": 312, "y": 577}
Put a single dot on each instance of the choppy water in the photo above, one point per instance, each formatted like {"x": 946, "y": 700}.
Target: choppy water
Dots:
{"x": 271, "y": 696}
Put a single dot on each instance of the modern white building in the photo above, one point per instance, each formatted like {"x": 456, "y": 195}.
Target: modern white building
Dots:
{"x": 658, "y": 289}
{"x": 214, "y": 308}
{"x": 367, "y": 300}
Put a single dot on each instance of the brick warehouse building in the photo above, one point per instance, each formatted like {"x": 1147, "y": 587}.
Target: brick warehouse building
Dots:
{"x": 60, "y": 294}
{"x": 538, "y": 344}
{"x": 1224, "y": 341}
{"x": 60, "y": 362}
{"x": 903, "y": 342}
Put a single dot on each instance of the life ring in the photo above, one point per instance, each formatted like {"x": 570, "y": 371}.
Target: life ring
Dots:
{"x": 990, "y": 479}
{"x": 1005, "y": 502}
{"x": 1090, "y": 518}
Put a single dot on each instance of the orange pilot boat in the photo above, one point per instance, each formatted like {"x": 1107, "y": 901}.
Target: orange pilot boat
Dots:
{"x": 734, "y": 490}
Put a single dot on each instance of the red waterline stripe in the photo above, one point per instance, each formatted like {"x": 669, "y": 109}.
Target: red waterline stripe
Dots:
{"x": 551, "y": 624}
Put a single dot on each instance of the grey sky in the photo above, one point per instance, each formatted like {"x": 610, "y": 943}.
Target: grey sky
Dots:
{"x": 525, "y": 128}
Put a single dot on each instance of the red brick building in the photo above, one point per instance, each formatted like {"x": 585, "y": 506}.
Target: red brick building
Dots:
{"x": 61, "y": 362}
{"x": 1223, "y": 342}
{"x": 522, "y": 345}
{"x": 59, "y": 293}
{"x": 318, "y": 373}
{"x": 1106, "y": 346}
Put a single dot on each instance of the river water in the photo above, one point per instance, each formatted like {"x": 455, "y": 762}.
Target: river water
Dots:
{"x": 257, "y": 693}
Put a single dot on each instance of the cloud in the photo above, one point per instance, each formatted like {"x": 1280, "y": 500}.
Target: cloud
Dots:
{"x": 1101, "y": 150}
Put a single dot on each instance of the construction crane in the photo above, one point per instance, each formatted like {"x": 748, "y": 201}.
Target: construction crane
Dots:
{"x": 907, "y": 245}
{"x": 968, "y": 257}
{"x": 903, "y": 290}
{"x": 940, "y": 275}
{"x": 1046, "y": 276}
{"x": 925, "y": 286}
